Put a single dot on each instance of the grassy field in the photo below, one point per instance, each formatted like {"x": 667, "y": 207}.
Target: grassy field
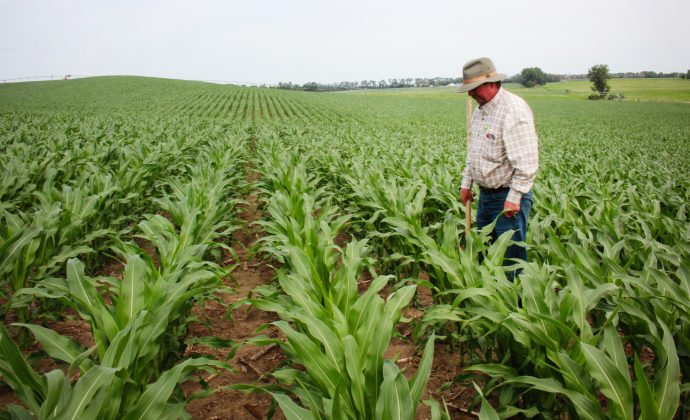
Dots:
{"x": 155, "y": 231}
{"x": 632, "y": 89}
{"x": 664, "y": 90}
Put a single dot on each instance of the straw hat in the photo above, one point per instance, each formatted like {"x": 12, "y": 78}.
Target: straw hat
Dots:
{"x": 479, "y": 71}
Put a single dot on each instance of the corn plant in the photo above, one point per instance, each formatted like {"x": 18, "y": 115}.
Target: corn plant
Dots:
{"x": 138, "y": 330}
{"x": 32, "y": 250}
{"x": 102, "y": 391}
{"x": 338, "y": 336}
{"x": 340, "y": 339}
{"x": 182, "y": 272}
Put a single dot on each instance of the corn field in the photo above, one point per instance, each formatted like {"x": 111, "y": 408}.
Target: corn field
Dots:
{"x": 359, "y": 206}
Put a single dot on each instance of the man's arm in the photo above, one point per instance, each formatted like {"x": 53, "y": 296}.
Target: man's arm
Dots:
{"x": 522, "y": 151}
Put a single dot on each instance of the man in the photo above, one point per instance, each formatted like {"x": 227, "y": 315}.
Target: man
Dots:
{"x": 503, "y": 155}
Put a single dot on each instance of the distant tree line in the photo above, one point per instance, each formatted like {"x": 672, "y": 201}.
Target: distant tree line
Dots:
{"x": 534, "y": 76}
{"x": 370, "y": 84}
{"x": 634, "y": 75}
{"x": 528, "y": 77}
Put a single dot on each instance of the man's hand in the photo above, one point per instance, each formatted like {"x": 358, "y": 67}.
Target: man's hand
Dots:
{"x": 466, "y": 194}
{"x": 511, "y": 209}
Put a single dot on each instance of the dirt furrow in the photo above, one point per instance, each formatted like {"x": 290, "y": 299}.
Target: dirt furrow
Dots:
{"x": 251, "y": 364}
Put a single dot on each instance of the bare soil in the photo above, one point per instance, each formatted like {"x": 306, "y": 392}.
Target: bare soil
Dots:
{"x": 251, "y": 364}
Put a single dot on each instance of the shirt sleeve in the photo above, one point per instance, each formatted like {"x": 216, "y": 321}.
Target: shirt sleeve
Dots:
{"x": 522, "y": 151}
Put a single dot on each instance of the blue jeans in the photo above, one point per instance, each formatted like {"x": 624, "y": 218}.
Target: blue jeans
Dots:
{"x": 489, "y": 207}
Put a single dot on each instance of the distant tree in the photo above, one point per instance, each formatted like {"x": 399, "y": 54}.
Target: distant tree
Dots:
{"x": 288, "y": 85}
{"x": 310, "y": 87}
{"x": 687, "y": 75}
{"x": 553, "y": 78}
{"x": 599, "y": 76}
{"x": 532, "y": 76}
{"x": 683, "y": 75}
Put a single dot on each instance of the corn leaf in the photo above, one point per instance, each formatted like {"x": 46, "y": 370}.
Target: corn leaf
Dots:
{"x": 666, "y": 384}
{"x": 17, "y": 373}
{"x": 419, "y": 381}
{"x": 355, "y": 373}
{"x": 291, "y": 410}
{"x": 648, "y": 405}
{"x": 57, "y": 346}
{"x": 614, "y": 384}
{"x": 131, "y": 298}
{"x": 83, "y": 392}
{"x": 394, "y": 401}
{"x": 153, "y": 403}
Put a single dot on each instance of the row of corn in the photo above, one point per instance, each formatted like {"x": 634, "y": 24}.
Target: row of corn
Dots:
{"x": 336, "y": 334}
{"x": 137, "y": 322}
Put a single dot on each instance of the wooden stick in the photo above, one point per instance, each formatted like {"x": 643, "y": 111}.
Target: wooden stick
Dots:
{"x": 468, "y": 218}
{"x": 468, "y": 204}
{"x": 252, "y": 359}
{"x": 458, "y": 394}
{"x": 259, "y": 373}
{"x": 464, "y": 410}
{"x": 263, "y": 352}
{"x": 253, "y": 411}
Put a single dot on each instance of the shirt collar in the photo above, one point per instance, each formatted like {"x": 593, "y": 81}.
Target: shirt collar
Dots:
{"x": 493, "y": 103}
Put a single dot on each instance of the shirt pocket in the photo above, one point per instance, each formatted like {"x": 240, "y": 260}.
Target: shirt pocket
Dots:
{"x": 493, "y": 150}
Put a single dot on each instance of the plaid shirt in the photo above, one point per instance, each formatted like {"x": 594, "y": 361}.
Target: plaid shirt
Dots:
{"x": 503, "y": 150}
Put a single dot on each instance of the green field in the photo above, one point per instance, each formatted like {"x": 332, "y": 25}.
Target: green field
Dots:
{"x": 121, "y": 198}
{"x": 664, "y": 90}
{"x": 659, "y": 90}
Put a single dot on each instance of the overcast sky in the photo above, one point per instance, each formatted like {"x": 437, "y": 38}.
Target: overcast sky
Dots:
{"x": 267, "y": 41}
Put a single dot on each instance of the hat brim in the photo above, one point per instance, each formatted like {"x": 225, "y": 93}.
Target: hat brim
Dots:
{"x": 469, "y": 86}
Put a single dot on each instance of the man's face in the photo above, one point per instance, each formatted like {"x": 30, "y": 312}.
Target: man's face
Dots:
{"x": 484, "y": 92}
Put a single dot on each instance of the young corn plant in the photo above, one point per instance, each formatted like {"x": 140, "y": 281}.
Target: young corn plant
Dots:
{"x": 138, "y": 330}
{"x": 534, "y": 348}
{"x": 102, "y": 391}
{"x": 340, "y": 339}
{"x": 182, "y": 272}
{"x": 59, "y": 229}
{"x": 165, "y": 298}
{"x": 35, "y": 247}
{"x": 338, "y": 336}
{"x": 583, "y": 372}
